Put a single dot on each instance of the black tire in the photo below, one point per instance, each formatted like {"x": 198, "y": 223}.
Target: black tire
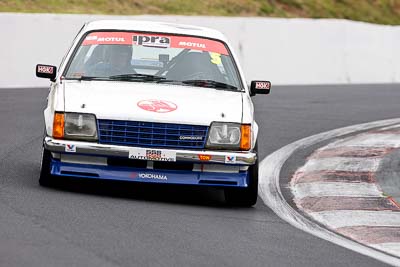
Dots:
{"x": 245, "y": 197}
{"x": 45, "y": 178}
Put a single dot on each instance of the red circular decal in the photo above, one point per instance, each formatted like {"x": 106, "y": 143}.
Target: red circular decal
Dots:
{"x": 160, "y": 106}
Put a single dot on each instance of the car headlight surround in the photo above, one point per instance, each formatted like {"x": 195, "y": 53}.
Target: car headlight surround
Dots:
{"x": 224, "y": 135}
{"x": 80, "y": 126}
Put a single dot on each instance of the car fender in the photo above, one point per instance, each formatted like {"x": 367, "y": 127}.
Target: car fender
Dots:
{"x": 248, "y": 117}
{"x": 55, "y": 102}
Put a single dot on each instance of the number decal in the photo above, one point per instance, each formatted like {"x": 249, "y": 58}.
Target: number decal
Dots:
{"x": 216, "y": 58}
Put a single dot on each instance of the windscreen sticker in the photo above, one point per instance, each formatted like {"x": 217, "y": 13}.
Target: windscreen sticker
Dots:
{"x": 199, "y": 44}
{"x": 151, "y": 41}
{"x": 156, "y": 40}
{"x": 94, "y": 38}
{"x": 215, "y": 58}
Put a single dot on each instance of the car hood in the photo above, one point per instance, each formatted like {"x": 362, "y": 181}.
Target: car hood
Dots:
{"x": 137, "y": 101}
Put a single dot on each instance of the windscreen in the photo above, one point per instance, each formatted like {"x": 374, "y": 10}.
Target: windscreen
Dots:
{"x": 149, "y": 57}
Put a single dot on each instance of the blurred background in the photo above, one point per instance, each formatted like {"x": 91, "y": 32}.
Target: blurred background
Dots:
{"x": 374, "y": 11}
{"x": 290, "y": 42}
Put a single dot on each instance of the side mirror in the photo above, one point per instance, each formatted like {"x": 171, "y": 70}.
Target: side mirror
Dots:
{"x": 46, "y": 71}
{"x": 260, "y": 87}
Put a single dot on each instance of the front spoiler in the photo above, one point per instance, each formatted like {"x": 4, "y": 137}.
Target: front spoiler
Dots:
{"x": 239, "y": 179}
{"x": 95, "y": 149}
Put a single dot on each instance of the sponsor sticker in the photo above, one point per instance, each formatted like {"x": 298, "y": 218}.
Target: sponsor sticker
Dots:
{"x": 205, "y": 157}
{"x": 230, "y": 159}
{"x": 263, "y": 85}
{"x": 192, "y": 44}
{"x": 91, "y": 37}
{"x": 200, "y": 44}
{"x": 157, "y": 41}
{"x": 70, "y": 148}
{"x": 152, "y": 154}
{"x": 45, "y": 69}
{"x": 156, "y": 176}
{"x": 191, "y": 137}
{"x": 159, "y": 106}
{"x": 95, "y": 38}
{"x": 152, "y": 41}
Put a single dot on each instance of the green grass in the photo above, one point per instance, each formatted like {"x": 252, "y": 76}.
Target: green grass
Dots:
{"x": 375, "y": 11}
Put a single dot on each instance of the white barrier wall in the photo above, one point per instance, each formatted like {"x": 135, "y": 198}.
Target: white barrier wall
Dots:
{"x": 285, "y": 51}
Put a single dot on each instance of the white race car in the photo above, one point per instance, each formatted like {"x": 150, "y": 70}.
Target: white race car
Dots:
{"x": 152, "y": 102}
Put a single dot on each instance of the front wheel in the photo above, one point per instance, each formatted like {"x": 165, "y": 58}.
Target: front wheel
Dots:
{"x": 245, "y": 197}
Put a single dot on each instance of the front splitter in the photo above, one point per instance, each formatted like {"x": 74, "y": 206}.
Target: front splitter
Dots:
{"x": 239, "y": 179}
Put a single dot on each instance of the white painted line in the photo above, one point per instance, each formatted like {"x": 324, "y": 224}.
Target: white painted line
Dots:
{"x": 392, "y": 248}
{"x": 341, "y": 164}
{"x": 369, "y": 140}
{"x": 390, "y": 127}
{"x": 349, "y": 218}
{"x": 270, "y": 192}
{"x": 331, "y": 189}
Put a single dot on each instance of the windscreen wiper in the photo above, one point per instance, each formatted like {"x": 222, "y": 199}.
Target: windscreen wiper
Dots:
{"x": 88, "y": 78}
{"x": 172, "y": 82}
{"x": 136, "y": 77}
{"x": 210, "y": 84}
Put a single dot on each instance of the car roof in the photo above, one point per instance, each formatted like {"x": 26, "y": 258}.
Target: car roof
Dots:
{"x": 152, "y": 26}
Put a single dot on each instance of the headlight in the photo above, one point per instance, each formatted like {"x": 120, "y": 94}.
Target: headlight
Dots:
{"x": 224, "y": 135}
{"x": 80, "y": 126}
{"x": 75, "y": 126}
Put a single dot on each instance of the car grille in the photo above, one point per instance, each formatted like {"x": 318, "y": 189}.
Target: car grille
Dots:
{"x": 150, "y": 134}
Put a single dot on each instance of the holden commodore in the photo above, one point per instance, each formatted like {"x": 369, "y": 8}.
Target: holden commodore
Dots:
{"x": 152, "y": 102}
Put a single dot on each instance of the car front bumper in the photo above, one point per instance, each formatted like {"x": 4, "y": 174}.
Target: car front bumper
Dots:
{"x": 90, "y": 148}
{"x": 215, "y": 171}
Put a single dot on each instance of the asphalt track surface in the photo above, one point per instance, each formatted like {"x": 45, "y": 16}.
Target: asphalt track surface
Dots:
{"x": 86, "y": 223}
